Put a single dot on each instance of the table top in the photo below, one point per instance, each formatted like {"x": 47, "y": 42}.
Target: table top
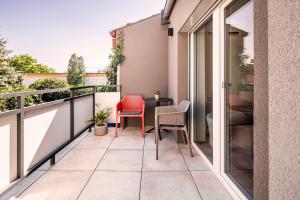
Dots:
{"x": 161, "y": 99}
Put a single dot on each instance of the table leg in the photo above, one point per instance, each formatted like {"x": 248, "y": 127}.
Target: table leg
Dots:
{"x": 151, "y": 129}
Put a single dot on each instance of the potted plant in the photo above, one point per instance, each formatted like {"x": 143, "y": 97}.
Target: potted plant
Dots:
{"x": 98, "y": 120}
{"x": 156, "y": 95}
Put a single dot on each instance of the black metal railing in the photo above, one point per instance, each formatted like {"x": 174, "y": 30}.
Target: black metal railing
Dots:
{"x": 20, "y": 112}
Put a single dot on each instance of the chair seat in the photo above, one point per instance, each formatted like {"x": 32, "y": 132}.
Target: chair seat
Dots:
{"x": 131, "y": 113}
{"x": 170, "y": 125}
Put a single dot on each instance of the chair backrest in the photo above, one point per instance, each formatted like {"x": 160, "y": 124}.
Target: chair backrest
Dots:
{"x": 132, "y": 103}
{"x": 184, "y": 106}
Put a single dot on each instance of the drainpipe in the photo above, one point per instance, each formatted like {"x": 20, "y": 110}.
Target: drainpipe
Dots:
{"x": 166, "y": 12}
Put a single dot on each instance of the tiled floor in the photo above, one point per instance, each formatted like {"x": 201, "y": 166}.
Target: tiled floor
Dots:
{"x": 122, "y": 168}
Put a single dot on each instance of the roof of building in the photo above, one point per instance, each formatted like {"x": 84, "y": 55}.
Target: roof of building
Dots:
{"x": 166, "y": 12}
{"x": 130, "y": 24}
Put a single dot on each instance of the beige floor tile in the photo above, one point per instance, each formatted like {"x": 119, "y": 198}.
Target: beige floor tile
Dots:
{"x": 22, "y": 185}
{"x": 209, "y": 186}
{"x": 79, "y": 159}
{"x": 128, "y": 142}
{"x": 122, "y": 160}
{"x": 95, "y": 142}
{"x": 196, "y": 162}
{"x": 77, "y": 140}
{"x": 46, "y": 166}
{"x": 168, "y": 160}
{"x": 168, "y": 141}
{"x": 168, "y": 185}
{"x": 112, "y": 186}
{"x": 130, "y": 131}
{"x": 183, "y": 146}
{"x": 57, "y": 185}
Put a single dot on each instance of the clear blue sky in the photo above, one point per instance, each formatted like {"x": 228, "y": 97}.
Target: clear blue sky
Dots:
{"x": 51, "y": 30}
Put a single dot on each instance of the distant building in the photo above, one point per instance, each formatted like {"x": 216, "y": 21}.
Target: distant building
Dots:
{"x": 90, "y": 79}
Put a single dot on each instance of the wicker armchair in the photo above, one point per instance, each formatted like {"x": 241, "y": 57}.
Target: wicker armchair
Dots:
{"x": 172, "y": 118}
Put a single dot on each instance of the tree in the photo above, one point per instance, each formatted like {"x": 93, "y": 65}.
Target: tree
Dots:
{"x": 10, "y": 80}
{"x": 76, "y": 70}
{"x": 27, "y": 64}
{"x": 50, "y": 83}
{"x": 115, "y": 58}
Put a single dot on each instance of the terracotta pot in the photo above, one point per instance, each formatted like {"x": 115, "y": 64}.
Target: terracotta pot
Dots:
{"x": 101, "y": 130}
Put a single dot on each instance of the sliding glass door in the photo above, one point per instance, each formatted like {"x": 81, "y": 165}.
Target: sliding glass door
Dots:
{"x": 222, "y": 91}
{"x": 239, "y": 89}
{"x": 204, "y": 89}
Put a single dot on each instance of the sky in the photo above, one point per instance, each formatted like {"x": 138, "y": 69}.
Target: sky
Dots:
{"x": 52, "y": 30}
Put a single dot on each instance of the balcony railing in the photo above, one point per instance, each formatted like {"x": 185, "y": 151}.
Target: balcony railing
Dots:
{"x": 30, "y": 136}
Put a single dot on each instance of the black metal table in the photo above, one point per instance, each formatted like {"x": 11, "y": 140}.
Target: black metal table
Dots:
{"x": 158, "y": 103}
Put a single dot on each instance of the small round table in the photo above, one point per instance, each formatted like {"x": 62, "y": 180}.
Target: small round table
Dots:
{"x": 158, "y": 103}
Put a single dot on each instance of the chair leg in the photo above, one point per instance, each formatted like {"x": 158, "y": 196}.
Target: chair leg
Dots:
{"x": 143, "y": 127}
{"x": 159, "y": 134}
{"x": 123, "y": 122}
{"x": 116, "y": 130}
{"x": 156, "y": 140}
{"x": 188, "y": 140}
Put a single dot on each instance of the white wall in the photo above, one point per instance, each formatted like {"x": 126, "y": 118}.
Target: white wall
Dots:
{"x": 8, "y": 151}
{"x": 83, "y": 111}
{"x": 108, "y": 99}
{"x": 177, "y": 51}
{"x": 45, "y": 130}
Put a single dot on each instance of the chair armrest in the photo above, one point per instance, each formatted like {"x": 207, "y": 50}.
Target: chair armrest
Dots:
{"x": 143, "y": 108}
{"x": 165, "y": 110}
{"x": 119, "y": 106}
{"x": 172, "y": 118}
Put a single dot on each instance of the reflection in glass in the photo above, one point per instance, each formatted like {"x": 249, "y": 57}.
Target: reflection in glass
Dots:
{"x": 239, "y": 60}
{"x": 204, "y": 89}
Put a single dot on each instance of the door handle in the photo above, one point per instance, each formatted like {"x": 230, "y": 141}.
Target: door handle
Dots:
{"x": 226, "y": 84}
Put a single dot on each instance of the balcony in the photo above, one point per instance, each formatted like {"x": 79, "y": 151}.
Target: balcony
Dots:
{"x": 53, "y": 154}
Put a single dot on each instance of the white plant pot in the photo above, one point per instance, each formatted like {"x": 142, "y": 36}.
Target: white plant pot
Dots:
{"x": 101, "y": 130}
{"x": 156, "y": 97}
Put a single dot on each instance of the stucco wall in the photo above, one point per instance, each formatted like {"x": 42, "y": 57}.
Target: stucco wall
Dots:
{"x": 284, "y": 99}
{"x": 178, "y": 60}
{"x": 261, "y": 111}
{"x": 145, "y": 68}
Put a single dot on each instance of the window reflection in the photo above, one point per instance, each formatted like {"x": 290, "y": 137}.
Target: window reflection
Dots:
{"x": 239, "y": 55}
{"x": 204, "y": 89}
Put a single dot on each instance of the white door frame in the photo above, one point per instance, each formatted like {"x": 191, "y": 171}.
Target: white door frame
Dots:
{"x": 217, "y": 167}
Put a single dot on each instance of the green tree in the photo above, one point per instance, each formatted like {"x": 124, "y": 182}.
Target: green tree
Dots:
{"x": 76, "y": 70}
{"x": 116, "y": 57}
{"x": 10, "y": 80}
{"x": 50, "y": 83}
{"x": 27, "y": 64}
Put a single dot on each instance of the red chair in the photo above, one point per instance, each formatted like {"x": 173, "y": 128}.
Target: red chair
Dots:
{"x": 130, "y": 106}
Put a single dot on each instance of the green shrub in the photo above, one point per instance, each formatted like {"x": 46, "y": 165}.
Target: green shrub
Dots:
{"x": 11, "y": 103}
{"x": 50, "y": 83}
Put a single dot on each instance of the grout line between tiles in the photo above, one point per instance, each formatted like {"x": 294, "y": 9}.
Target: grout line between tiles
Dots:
{"x": 45, "y": 171}
{"x": 142, "y": 167}
{"x": 190, "y": 172}
{"x": 95, "y": 169}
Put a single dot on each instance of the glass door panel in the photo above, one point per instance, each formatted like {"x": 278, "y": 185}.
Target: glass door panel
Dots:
{"x": 239, "y": 84}
{"x": 204, "y": 89}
